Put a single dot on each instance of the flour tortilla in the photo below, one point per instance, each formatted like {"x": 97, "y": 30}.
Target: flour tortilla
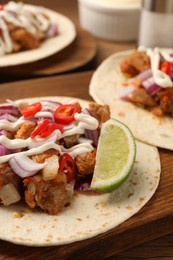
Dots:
{"x": 104, "y": 89}
{"x": 87, "y": 215}
{"x": 48, "y": 47}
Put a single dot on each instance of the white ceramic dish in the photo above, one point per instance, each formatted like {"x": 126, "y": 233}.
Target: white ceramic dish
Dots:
{"x": 111, "y": 19}
{"x": 67, "y": 33}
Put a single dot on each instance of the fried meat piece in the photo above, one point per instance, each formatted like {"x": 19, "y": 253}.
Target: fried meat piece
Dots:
{"x": 71, "y": 140}
{"x": 136, "y": 63}
{"x": 164, "y": 98}
{"x": 24, "y": 38}
{"x": 10, "y": 184}
{"x": 40, "y": 158}
{"x": 51, "y": 196}
{"x": 100, "y": 112}
{"x": 141, "y": 98}
{"x": 85, "y": 163}
{"x": 25, "y": 130}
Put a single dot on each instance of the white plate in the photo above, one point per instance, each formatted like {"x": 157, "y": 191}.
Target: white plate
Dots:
{"x": 67, "y": 33}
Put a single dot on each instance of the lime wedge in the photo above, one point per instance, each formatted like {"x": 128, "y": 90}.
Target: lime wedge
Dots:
{"x": 115, "y": 156}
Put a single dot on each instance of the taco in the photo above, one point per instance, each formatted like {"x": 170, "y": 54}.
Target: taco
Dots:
{"x": 138, "y": 87}
{"x": 23, "y": 27}
{"x": 34, "y": 148}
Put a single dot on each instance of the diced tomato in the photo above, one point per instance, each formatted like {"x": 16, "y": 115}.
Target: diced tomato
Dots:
{"x": 67, "y": 165}
{"x": 31, "y": 110}
{"x": 64, "y": 114}
{"x": 50, "y": 129}
{"x": 166, "y": 67}
{"x": 38, "y": 130}
{"x": 1, "y": 7}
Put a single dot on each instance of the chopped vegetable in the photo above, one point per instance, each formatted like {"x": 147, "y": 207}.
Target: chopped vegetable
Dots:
{"x": 64, "y": 114}
{"x": 31, "y": 110}
{"x": 50, "y": 170}
{"x": 24, "y": 166}
{"x": 45, "y": 128}
{"x": 67, "y": 165}
{"x": 50, "y": 128}
{"x": 39, "y": 128}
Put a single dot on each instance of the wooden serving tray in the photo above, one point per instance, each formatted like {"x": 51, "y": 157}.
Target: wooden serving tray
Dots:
{"x": 152, "y": 221}
{"x": 78, "y": 54}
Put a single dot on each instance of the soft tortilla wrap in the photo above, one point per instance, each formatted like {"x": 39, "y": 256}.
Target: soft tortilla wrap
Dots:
{"x": 104, "y": 88}
{"x": 87, "y": 215}
{"x": 48, "y": 47}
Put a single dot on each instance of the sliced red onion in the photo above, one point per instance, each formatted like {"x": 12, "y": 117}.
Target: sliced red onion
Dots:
{"x": 9, "y": 110}
{"x": 91, "y": 134}
{"x": 4, "y": 150}
{"x": 124, "y": 92}
{"x": 23, "y": 166}
{"x": 12, "y": 118}
{"x": 151, "y": 86}
{"x": 83, "y": 183}
{"x": 52, "y": 31}
{"x": 147, "y": 83}
{"x": 144, "y": 75}
{"x": 3, "y": 132}
{"x": 4, "y": 116}
{"x": 153, "y": 89}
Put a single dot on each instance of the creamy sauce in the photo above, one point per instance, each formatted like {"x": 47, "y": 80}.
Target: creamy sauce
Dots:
{"x": 161, "y": 78}
{"x": 39, "y": 145}
{"x": 19, "y": 15}
{"x": 119, "y": 3}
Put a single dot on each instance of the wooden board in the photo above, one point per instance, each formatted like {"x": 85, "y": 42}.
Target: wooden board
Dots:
{"x": 152, "y": 221}
{"x": 78, "y": 54}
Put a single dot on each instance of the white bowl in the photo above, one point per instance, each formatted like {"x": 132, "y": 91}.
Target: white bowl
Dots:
{"x": 116, "y": 20}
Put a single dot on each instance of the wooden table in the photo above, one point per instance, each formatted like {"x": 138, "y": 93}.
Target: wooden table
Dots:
{"x": 156, "y": 249}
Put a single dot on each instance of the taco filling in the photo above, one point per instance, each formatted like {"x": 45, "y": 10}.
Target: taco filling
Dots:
{"x": 45, "y": 147}
{"x": 23, "y": 28}
{"x": 150, "y": 80}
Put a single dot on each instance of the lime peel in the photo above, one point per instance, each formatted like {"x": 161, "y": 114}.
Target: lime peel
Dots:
{"x": 115, "y": 157}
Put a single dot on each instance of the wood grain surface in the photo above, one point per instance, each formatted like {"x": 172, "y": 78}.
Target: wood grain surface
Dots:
{"x": 77, "y": 55}
{"x": 152, "y": 221}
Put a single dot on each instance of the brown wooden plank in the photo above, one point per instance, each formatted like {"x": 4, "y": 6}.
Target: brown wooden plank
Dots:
{"x": 152, "y": 221}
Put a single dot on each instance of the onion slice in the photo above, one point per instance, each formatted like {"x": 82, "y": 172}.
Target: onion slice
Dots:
{"x": 23, "y": 166}
{"x": 9, "y": 194}
{"x": 9, "y": 110}
{"x": 144, "y": 75}
{"x": 151, "y": 86}
{"x": 91, "y": 134}
{"x": 4, "y": 150}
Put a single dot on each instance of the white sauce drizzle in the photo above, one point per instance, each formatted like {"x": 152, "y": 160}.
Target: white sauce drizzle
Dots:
{"x": 19, "y": 15}
{"x": 39, "y": 145}
{"x": 161, "y": 78}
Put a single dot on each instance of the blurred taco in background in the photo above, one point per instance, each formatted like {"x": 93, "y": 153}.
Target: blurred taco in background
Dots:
{"x": 138, "y": 87}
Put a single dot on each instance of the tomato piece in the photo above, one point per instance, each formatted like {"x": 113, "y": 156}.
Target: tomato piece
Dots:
{"x": 1, "y": 7}
{"x": 67, "y": 165}
{"x": 166, "y": 67}
{"x": 50, "y": 128}
{"x": 64, "y": 114}
{"x": 31, "y": 110}
{"x": 39, "y": 128}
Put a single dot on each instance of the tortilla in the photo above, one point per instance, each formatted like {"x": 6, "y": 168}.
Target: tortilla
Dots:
{"x": 87, "y": 215}
{"x": 48, "y": 47}
{"x": 104, "y": 88}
